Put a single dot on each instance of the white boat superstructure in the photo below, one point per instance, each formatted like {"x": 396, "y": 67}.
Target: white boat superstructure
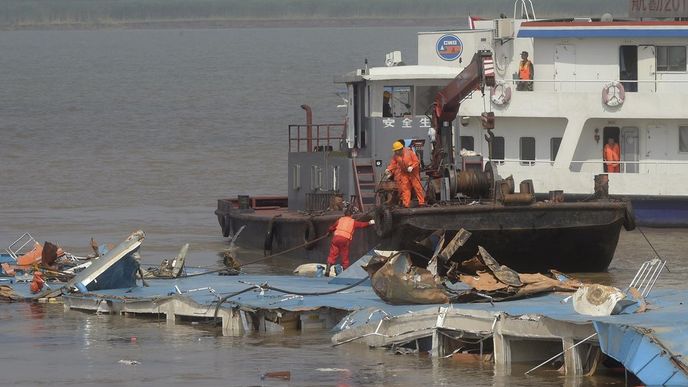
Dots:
{"x": 594, "y": 79}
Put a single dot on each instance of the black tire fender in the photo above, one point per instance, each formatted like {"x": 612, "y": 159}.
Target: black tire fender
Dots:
{"x": 309, "y": 235}
{"x": 383, "y": 222}
{"x": 269, "y": 236}
{"x": 629, "y": 217}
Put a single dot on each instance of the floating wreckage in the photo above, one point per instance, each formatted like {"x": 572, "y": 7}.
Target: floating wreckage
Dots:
{"x": 399, "y": 280}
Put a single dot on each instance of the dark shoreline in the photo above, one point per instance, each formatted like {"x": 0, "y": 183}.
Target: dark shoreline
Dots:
{"x": 243, "y": 23}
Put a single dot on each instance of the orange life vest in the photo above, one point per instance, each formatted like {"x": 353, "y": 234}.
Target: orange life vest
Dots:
{"x": 524, "y": 70}
{"x": 345, "y": 227}
{"x": 612, "y": 153}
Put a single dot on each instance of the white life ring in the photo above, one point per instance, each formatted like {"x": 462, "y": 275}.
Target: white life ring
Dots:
{"x": 613, "y": 94}
{"x": 500, "y": 93}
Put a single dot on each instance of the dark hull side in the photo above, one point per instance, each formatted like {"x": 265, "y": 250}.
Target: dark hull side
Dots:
{"x": 570, "y": 237}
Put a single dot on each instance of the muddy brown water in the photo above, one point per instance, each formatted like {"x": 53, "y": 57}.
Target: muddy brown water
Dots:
{"x": 105, "y": 132}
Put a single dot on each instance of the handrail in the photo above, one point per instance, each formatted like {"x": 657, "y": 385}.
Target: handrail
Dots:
{"x": 638, "y": 162}
{"x": 324, "y": 138}
{"x": 601, "y": 81}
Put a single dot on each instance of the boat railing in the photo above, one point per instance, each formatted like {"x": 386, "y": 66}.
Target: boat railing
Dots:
{"x": 630, "y": 85}
{"x": 316, "y": 137}
{"x": 635, "y": 166}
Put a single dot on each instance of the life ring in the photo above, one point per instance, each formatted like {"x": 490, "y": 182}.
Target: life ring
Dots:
{"x": 629, "y": 217}
{"x": 383, "y": 221}
{"x": 613, "y": 94}
{"x": 309, "y": 235}
{"x": 500, "y": 94}
{"x": 269, "y": 236}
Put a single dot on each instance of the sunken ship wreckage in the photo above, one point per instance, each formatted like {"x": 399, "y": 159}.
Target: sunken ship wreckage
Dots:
{"x": 330, "y": 165}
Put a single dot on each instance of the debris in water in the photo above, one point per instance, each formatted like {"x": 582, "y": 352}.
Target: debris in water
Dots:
{"x": 129, "y": 362}
{"x": 284, "y": 375}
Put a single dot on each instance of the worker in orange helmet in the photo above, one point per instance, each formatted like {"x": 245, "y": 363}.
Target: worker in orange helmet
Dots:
{"x": 343, "y": 230}
{"x": 612, "y": 155}
{"x": 406, "y": 169}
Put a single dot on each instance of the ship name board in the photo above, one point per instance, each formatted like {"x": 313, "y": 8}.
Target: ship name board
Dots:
{"x": 658, "y": 8}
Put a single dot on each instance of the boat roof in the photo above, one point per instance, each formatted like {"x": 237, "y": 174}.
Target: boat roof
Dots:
{"x": 401, "y": 73}
{"x": 600, "y": 29}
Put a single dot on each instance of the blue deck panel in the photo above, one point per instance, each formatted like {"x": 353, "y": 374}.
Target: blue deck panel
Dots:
{"x": 638, "y": 340}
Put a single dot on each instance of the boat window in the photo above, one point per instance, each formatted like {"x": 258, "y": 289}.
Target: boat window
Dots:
{"x": 671, "y": 58}
{"x": 683, "y": 138}
{"x": 316, "y": 177}
{"x": 498, "y": 148}
{"x": 296, "y": 177}
{"x": 467, "y": 143}
{"x": 554, "y": 143}
{"x": 335, "y": 178}
{"x": 396, "y": 101}
{"x": 628, "y": 67}
{"x": 425, "y": 96}
{"x": 527, "y": 149}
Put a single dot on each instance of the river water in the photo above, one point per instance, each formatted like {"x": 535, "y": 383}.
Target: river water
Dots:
{"x": 105, "y": 132}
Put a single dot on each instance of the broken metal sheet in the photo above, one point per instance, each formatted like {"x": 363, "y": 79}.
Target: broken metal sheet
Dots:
{"x": 169, "y": 268}
{"x": 119, "y": 261}
{"x": 459, "y": 240}
{"x": 398, "y": 282}
{"x": 503, "y": 273}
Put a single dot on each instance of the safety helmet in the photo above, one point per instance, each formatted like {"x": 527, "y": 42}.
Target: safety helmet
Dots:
{"x": 386, "y": 94}
{"x": 397, "y": 146}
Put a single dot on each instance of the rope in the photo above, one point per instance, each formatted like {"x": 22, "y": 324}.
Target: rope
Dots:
{"x": 268, "y": 287}
{"x": 286, "y": 251}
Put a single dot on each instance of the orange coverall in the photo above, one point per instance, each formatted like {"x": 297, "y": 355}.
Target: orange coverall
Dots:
{"x": 612, "y": 153}
{"x": 398, "y": 165}
{"x": 343, "y": 230}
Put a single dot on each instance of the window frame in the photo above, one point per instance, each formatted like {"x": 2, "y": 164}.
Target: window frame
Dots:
{"x": 679, "y": 139}
{"x": 411, "y": 100}
{"x": 552, "y": 154}
{"x": 668, "y": 47}
{"x": 521, "y": 157}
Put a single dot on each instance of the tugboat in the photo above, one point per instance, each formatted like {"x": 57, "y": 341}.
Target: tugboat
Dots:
{"x": 330, "y": 164}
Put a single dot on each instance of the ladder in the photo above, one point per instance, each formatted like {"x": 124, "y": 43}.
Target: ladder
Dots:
{"x": 365, "y": 184}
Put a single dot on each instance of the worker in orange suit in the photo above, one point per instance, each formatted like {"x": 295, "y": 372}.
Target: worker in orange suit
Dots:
{"x": 525, "y": 73}
{"x": 612, "y": 156}
{"x": 343, "y": 230}
{"x": 406, "y": 169}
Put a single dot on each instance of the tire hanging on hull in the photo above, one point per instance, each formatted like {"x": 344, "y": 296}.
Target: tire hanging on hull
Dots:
{"x": 309, "y": 236}
{"x": 383, "y": 222}
{"x": 269, "y": 236}
{"x": 629, "y": 217}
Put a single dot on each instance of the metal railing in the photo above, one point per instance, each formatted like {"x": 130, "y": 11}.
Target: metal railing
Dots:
{"x": 601, "y": 82}
{"x": 625, "y": 166}
{"x": 316, "y": 138}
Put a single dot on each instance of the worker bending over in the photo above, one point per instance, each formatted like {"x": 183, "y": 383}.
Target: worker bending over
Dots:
{"x": 405, "y": 167}
{"x": 343, "y": 230}
{"x": 612, "y": 156}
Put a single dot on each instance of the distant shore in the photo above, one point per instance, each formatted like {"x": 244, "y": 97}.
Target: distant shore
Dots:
{"x": 240, "y": 23}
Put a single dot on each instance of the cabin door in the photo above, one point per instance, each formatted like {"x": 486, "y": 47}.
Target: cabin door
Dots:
{"x": 630, "y": 149}
{"x": 565, "y": 67}
{"x": 647, "y": 69}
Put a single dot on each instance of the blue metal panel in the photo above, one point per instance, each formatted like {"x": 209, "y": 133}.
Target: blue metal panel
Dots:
{"x": 641, "y": 354}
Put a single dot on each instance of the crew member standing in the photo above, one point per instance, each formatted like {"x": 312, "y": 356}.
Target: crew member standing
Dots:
{"x": 406, "y": 169}
{"x": 386, "y": 106}
{"x": 612, "y": 156}
{"x": 343, "y": 230}
{"x": 525, "y": 73}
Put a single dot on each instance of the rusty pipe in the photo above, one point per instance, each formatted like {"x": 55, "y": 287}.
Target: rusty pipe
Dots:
{"x": 309, "y": 126}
